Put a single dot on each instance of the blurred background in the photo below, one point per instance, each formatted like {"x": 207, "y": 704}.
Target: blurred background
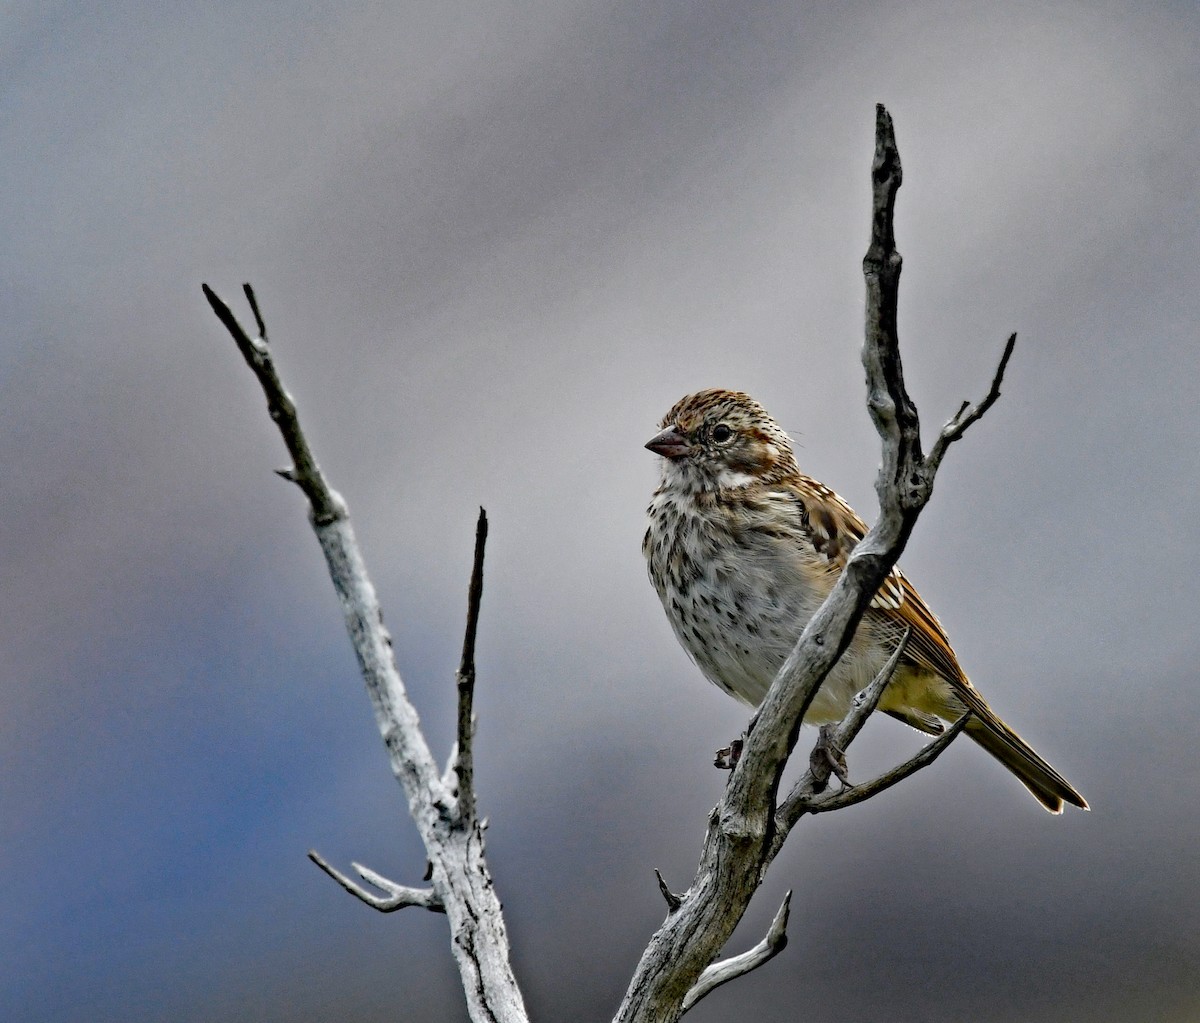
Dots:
{"x": 493, "y": 243}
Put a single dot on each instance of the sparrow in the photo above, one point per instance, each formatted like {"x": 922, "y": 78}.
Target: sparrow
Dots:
{"x": 742, "y": 549}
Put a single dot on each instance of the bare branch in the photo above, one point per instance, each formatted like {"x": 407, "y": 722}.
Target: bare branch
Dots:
{"x": 327, "y": 506}
{"x": 399, "y": 896}
{"x": 463, "y": 757}
{"x": 743, "y": 833}
{"x": 459, "y": 873}
{"x": 258, "y": 318}
{"x": 746, "y": 829}
{"x": 963, "y": 418}
{"x": 857, "y": 793}
{"x": 891, "y": 409}
{"x": 738, "y": 966}
{"x": 673, "y": 901}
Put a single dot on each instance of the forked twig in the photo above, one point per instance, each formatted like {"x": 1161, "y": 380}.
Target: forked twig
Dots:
{"x": 746, "y": 830}
{"x": 966, "y": 415}
{"x": 398, "y": 896}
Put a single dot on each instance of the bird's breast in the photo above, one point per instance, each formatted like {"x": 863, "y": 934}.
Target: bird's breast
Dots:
{"x": 737, "y": 595}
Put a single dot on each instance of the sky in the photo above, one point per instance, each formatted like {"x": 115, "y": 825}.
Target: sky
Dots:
{"x": 494, "y": 243}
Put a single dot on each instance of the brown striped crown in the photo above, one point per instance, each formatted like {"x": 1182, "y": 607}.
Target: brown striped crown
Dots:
{"x": 715, "y": 439}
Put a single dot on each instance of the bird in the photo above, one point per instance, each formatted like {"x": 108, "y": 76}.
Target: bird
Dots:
{"x": 742, "y": 548}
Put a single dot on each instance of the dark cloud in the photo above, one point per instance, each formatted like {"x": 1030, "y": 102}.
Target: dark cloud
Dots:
{"x": 493, "y": 245}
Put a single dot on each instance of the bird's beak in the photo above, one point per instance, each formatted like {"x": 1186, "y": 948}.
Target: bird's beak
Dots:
{"x": 670, "y": 443}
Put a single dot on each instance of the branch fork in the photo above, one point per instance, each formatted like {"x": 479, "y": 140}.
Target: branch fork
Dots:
{"x": 398, "y": 896}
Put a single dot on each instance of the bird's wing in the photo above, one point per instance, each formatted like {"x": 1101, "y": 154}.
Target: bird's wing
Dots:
{"x": 835, "y": 529}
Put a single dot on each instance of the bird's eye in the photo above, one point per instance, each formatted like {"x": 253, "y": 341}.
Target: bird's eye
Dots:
{"x": 721, "y": 433}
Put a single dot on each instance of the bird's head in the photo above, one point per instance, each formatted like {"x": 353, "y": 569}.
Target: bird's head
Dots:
{"x": 717, "y": 440}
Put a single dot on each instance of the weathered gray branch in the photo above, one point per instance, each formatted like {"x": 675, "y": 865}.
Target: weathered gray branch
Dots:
{"x": 738, "y": 966}
{"x": 966, "y": 415}
{"x": 741, "y": 838}
{"x": 398, "y": 896}
{"x": 446, "y": 821}
{"x": 673, "y": 901}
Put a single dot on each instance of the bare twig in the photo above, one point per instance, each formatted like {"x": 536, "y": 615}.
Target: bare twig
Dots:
{"x": 461, "y": 881}
{"x": 738, "y": 966}
{"x": 863, "y": 705}
{"x": 673, "y": 901}
{"x": 258, "y": 317}
{"x": 966, "y": 415}
{"x": 327, "y": 506}
{"x": 398, "y": 896}
{"x": 463, "y": 760}
{"x": 857, "y": 793}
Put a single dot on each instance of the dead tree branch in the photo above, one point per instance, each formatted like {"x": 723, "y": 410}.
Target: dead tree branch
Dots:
{"x": 398, "y": 896}
{"x": 453, "y": 837}
{"x": 462, "y": 759}
{"x": 742, "y": 834}
{"x": 738, "y": 966}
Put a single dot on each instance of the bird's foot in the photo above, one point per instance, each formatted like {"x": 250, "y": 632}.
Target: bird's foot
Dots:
{"x": 728, "y": 757}
{"x": 827, "y": 758}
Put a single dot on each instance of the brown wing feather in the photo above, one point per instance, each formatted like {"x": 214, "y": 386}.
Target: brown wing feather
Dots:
{"x": 836, "y": 529}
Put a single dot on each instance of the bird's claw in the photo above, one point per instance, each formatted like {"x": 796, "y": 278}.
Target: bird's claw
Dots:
{"x": 827, "y": 758}
{"x": 728, "y": 757}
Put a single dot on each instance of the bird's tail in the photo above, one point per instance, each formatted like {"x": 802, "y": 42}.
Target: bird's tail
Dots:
{"x": 1049, "y": 787}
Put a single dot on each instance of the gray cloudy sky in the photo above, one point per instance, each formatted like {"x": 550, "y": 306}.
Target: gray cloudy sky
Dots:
{"x": 494, "y": 242}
